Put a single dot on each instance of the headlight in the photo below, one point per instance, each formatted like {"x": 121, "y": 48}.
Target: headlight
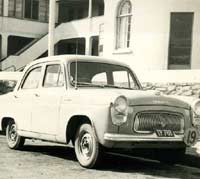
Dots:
{"x": 196, "y": 107}
{"x": 119, "y": 111}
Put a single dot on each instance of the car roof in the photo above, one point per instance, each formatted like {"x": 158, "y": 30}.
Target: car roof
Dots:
{"x": 68, "y": 58}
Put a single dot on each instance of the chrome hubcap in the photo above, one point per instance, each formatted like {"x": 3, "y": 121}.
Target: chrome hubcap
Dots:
{"x": 86, "y": 146}
{"x": 13, "y": 133}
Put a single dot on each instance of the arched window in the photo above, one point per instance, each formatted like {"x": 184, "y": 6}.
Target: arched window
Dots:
{"x": 124, "y": 25}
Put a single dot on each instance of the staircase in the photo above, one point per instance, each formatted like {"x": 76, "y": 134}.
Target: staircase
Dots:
{"x": 74, "y": 29}
{"x": 27, "y": 54}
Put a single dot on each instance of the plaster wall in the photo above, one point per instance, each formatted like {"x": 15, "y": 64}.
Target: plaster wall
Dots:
{"x": 150, "y": 32}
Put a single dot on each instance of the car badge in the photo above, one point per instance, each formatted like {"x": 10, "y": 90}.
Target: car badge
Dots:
{"x": 162, "y": 121}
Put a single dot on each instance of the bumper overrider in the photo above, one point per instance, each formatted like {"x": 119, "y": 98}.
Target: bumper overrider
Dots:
{"x": 189, "y": 138}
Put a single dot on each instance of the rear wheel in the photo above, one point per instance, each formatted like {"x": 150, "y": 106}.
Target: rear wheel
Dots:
{"x": 170, "y": 156}
{"x": 14, "y": 141}
{"x": 87, "y": 148}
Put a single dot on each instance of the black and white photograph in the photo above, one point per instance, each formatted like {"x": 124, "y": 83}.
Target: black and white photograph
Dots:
{"x": 99, "y": 89}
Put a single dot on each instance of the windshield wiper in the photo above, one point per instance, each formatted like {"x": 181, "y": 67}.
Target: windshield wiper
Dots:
{"x": 119, "y": 87}
{"x": 87, "y": 84}
{"x": 99, "y": 85}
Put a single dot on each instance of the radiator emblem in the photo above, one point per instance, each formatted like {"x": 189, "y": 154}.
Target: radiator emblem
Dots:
{"x": 162, "y": 121}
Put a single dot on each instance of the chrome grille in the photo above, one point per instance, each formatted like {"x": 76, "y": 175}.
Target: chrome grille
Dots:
{"x": 152, "y": 121}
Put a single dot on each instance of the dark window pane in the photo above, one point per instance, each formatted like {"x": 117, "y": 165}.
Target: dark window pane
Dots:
{"x": 27, "y": 13}
{"x": 31, "y": 9}
{"x": 180, "y": 39}
{"x": 35, "y": 9}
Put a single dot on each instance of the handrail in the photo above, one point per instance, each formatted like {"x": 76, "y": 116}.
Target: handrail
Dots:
{"x": 21, "y": 68}
{"x": 29, "y": 45}
{"x": 24, "y": 48}
{"x": 1, "y": 60}
{"x": 12, "y": 66}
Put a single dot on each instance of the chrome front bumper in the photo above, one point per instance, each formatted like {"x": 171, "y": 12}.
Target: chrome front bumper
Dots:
{"x": 150, "y": 138}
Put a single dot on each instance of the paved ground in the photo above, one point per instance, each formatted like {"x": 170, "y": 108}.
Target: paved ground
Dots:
{"x": 40, "y": 160}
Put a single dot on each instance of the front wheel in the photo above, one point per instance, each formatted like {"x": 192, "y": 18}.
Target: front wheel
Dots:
{"x": 14, "y": 141}
{"x": 87, "y": 148}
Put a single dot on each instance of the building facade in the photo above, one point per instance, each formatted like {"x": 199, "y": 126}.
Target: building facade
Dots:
{"x": 21, "y": 22}
{"x": 151, "y": 35}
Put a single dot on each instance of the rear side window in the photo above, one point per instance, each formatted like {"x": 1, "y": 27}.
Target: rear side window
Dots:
{"x": 32, "y": 79}
{"x": 54, "y": 76}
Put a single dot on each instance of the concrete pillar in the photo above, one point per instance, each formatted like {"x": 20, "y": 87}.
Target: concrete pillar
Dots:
{"x": 88, "y": 46}
{"x": 5, "y": 8}
{"x": 90, "y": 9}
{"x": 57, "y": 12}
{"x": 4, "y": 46}
{"x": 52, "y": 9}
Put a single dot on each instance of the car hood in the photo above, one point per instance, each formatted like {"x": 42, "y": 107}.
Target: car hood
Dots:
{"x": 135, "y": 97}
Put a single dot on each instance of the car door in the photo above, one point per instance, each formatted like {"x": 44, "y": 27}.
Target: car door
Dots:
{"x": 23, "y": 97}
{"x": 46, "y": 102}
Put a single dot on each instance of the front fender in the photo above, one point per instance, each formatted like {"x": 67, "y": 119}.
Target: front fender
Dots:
{"x": 99, "y": 116}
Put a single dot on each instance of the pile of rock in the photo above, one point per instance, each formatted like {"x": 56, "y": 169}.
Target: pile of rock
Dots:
{"x": 184, "y": 89}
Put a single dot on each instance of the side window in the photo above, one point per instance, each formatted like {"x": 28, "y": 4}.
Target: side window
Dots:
{"x": 133, "y": 84}
{"x": 121, "y": 78}
{"x": 54, "y": 76}
{"x": 32, "y": 79}
{"x": 124, "y": 79}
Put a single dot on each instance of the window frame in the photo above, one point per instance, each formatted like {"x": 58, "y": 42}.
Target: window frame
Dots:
{"x": 119, "y": 17}
{"x": 24, "y": 9}
{"x": 27, "y": 74}
{"x": 174, "y": 65}
{"x": 61, "y": 70}
{"x": 131, "y": 72}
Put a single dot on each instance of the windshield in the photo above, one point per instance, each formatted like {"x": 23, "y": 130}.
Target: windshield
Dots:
{"x": 95, "y": 74}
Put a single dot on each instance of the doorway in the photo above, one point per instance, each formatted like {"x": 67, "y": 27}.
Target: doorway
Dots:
{"x": 180, "y": 45}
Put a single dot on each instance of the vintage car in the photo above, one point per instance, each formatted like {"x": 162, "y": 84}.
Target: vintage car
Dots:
{"x": 97, "y": 104}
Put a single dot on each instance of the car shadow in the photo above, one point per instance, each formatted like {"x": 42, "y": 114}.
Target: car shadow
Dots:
{"x": 119, "y": 163}
{"x": 63, "y": 152}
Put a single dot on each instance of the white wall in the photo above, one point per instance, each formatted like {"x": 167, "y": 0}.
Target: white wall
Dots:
{"x": 169, "y": 76}
{"x": 150, "y": 32}
{"x": 25, "y": 28}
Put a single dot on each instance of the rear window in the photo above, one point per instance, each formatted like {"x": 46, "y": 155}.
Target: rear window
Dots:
{"x": 7, "y": 86}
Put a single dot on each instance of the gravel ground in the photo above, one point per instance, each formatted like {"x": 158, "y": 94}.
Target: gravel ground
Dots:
{"x": 41, "y": 160}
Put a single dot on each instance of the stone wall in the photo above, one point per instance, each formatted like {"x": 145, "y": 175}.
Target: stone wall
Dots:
{"x": 184, "y": 89}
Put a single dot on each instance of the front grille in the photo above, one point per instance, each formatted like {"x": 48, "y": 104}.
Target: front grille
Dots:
{"x": 152, "y": 121}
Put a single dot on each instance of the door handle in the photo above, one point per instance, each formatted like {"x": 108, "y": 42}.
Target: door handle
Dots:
{"x": 37, "y": 95}
{"x": 67, "y": 99}
{"x": 15, "y": 96}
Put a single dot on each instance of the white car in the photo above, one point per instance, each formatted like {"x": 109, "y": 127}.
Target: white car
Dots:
{"x": 97, "y": 104}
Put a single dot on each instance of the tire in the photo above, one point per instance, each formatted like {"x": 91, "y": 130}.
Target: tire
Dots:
{"x": 87, "y": 149}
{"x": 14, "y": 141}
{"x": 170, "y": 156}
